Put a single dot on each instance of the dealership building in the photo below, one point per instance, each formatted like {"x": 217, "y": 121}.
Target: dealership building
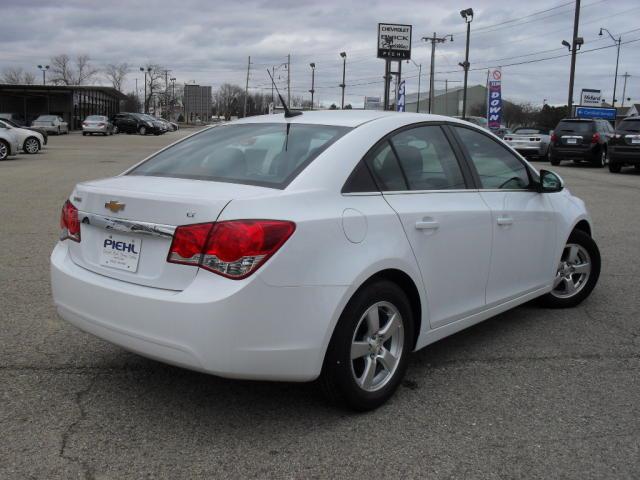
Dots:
{"x": 71, "y": 102}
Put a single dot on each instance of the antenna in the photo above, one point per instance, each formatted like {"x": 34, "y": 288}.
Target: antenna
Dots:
{"x": 287, "y": 113}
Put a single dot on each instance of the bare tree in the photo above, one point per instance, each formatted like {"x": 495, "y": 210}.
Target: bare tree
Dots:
{"x": 64, "y": 72}
{"x": 228, "y": 98}
{"x": 155, "y": 80}
{"x": 17, "y": 76}
{"x": 116, "y": 73}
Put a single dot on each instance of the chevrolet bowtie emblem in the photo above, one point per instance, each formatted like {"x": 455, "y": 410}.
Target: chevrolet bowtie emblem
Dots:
{"x": 114, "y": 206}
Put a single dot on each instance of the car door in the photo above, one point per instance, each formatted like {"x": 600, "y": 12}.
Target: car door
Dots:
{"x": 447, "y": 224}
{"x": 523, "y": 249}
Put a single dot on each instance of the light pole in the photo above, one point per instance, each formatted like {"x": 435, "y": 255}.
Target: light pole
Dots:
{"x": 344, "y": 68}
{"x": 419, "y": 75}
{"x": 313, "y": 77}
{"x": 615, "y": 80}
{"x": 142, "y": 69}
{"x": 468, "y": 18}
{"x": 44, "y": 69}
{"x": 433, "y": 41}
{"x": 173, "y": 93}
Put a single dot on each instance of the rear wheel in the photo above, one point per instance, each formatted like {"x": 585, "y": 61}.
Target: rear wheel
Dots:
{"x": 637, "y": 167}
{"x": 553, "y": 160}
{"x": 368, "y": 353}
{"x": 614, "y": 167}
{"x": 31, "y": 145}
{"x": 602, "y": 159}
{"x": 577, "y": 272}
{"x": 4, "y": 150}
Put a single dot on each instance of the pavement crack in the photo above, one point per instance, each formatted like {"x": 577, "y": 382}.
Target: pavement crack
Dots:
{"x": 70, "y": 430}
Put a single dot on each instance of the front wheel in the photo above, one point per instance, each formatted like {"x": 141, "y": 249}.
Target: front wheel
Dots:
{"x": 4, "y": 150}
{"x": 369, "y": 350}
{"x": 603, "y": 159}
{"x": 143, "y": 130}
{"x": 31, "y": 145}
{"x": 553, "y": 160}
{"x": 614, "y": 167}
{"x": 115, "y": 130}
{"x": 577, "y": 272}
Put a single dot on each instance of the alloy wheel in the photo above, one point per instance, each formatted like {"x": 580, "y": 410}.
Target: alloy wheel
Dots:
{"x": 573, "y": 271}
{"x": 4, "y": 151}
{"x": 31, "y": 145}
{"x": 377, "y": 346}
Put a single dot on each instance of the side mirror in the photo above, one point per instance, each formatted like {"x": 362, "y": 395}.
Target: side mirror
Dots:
{"x": 550, "y": 182}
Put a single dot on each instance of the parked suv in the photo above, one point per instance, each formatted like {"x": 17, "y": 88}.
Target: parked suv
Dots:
{"x": 580, "y": 139}
{"x": 624, "y": 147}
{"x": 136, "y": 123}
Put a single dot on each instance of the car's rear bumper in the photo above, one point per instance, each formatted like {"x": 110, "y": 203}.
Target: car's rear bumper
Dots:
{"x": 104, "y": 129}
{"x": 632, "y": 157}
{"x": 535, "y": 149}
{"x": 589, "y": 154}
{"x": 238, "y": 329}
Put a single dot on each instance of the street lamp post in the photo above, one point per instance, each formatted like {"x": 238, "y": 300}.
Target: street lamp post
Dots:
{"x": 344, "y": 67}
{"x": 173, "y": 93}
{"x": 468, "y": 18}
{"x": 142, "y": 69}
{"x": 44, "y": 69}
{"x": 615, "y": 79}
{"x": 313, "y": 77}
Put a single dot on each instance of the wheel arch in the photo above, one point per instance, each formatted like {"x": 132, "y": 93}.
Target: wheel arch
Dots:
{"x": 583, "y": 225}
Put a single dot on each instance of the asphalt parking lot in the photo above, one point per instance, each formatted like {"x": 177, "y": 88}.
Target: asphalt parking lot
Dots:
{"x": 532, "y": 393}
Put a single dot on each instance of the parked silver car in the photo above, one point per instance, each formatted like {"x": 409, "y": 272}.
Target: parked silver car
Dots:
{"x": 97, "y": 124}
{"x": 8, "y": 143}
{"x": 529, "y": 141}
{"x": 51, "y": 123}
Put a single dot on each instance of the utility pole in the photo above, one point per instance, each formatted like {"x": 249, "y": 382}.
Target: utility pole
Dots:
{"x": 273, "y": 75}
{"x": 289, "y": 80}
{"x": 433, "y": 41}
{"x": 313, "y": 77}
{"x": 246, "y": 88}
{"x": 574, "y": 50}
{"x": 344, "y": 68}
{"x": 615, "y": 78}
{"x": 624, "y": 88}
{"x": 468, "y": 18}
{"x": 166, "y": 92}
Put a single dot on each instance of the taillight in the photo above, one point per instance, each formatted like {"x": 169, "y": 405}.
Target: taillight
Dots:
{"x": 508, "y": 139}
{"x": 554, "y": 138}
{"x": 69, "y": 222}
{"x": 101, "y": 124}
{"x": 233, "y": 249}
{"x": 595, "y": 138}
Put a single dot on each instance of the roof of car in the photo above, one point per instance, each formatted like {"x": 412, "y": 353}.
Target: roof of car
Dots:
{"x": 345, "y": 118}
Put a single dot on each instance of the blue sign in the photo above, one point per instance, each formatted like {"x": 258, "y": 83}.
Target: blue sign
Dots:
{"x": 596, "y": 112}
{"x": 400, "y": 102}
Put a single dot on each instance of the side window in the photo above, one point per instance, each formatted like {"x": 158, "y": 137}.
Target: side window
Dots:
{"x": 496, "y": 166}
{"x": 427, "y": 160}
{"x": 384, "y": 166}
{"x": 360, "y": 180}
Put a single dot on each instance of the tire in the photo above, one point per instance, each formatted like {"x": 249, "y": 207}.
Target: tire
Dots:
{"x": 637, "y": 167}
{"x": 84, "y": 134}
{"x": 553, "y": 160}
{"x": 4, "y": 150}
{"x": 345, "y": 381}
{"x": 115, "y": 130}
{"x": 58, "y": 133}
{"x": 614, "y": 167}
{"x": 586, "y": 253}
{"x": 31, "y": 145}
{"x": 142, "y": 130}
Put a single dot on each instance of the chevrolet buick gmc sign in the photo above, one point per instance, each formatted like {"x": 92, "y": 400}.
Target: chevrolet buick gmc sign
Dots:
{"x": 394, "y": 41}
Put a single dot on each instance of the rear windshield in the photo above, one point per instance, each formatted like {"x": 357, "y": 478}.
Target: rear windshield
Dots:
{"x": 630, "y": 126}
{"x": 581, "y": 128}
{"x": 529, "y": 131}
{"x": 265, "y": 154}
{"x": 97, "y": 118}
{"x": 47, "y": 118}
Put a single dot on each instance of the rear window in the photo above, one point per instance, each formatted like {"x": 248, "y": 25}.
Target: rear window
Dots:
{"x": 581, "y": 128}
{"x": 97, "y": 118}
{"x": 47, "y": 118}
{"x": 632, "y": 126}
{"x": 529, "y": 131}
{"x": 269, "y": 155}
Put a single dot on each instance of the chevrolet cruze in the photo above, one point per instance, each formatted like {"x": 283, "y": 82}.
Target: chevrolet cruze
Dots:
{"x": 327, "y": 246}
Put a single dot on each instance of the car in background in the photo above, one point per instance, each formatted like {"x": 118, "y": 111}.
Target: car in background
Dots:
{"x": 140, "y": 123}
{"x": 15, "y": 118}
{"x": 41, "y": 131}
{"x": 206, "y": 255}
{"x": 52, "y": 124}
{"x": 28, "y": 141}
{"x": 480, "y": 121}
{"x": 529, "y": 141}
{"x": 581, "y": 140}
{"x": 8, "y": 143}
{"x": 624, "y": 147}
{"x": 97, "y": 124}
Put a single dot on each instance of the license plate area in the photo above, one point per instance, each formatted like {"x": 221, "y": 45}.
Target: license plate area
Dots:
{"x": 572, "y": 141}
{"x": 121, "y": 252}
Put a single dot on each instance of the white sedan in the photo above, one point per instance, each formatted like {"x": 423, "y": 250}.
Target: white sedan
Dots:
{"x": 29, "y": 141}
{"x": 324, "y": 246}
{"x": 52, "y": 124}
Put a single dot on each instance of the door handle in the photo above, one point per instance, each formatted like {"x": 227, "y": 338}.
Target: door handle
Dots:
{"x": 505, "y": 221}
{"x": 427, "y": 225}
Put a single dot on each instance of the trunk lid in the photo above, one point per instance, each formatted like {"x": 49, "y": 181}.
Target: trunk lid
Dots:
{"x": 136, "y": 215}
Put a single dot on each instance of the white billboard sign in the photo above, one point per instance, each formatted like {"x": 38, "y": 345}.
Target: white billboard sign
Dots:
{"x": 590, "y": 98}
{"x": 394, "y": 41}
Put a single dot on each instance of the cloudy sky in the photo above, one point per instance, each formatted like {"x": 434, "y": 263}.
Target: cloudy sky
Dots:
{"x": 208, "y": 41}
